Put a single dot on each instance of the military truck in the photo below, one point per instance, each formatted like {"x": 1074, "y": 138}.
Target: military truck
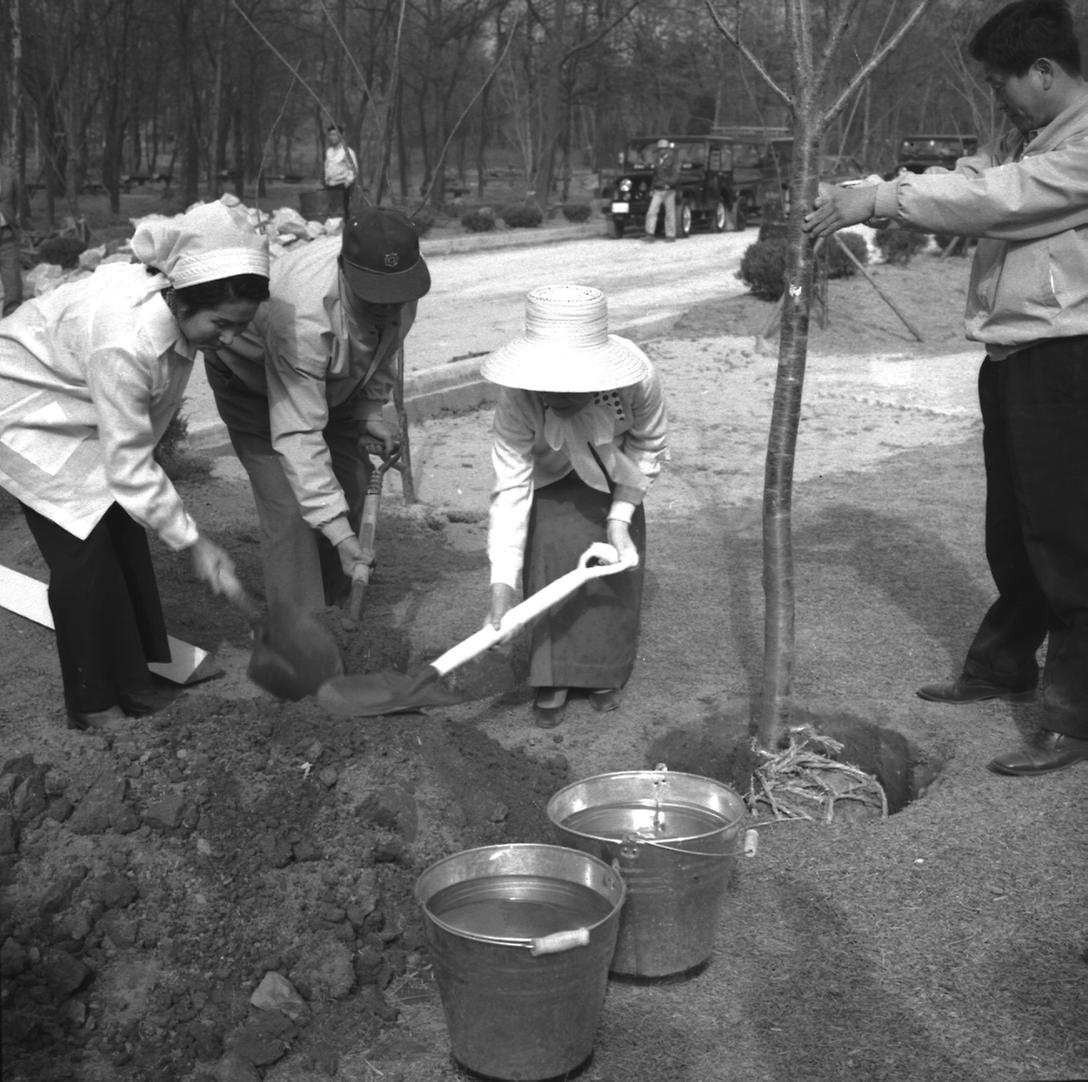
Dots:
{"x": 918, "y": 152}
{"x": 718, "y": 176}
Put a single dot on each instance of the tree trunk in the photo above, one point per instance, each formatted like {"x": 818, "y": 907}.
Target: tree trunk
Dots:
{"x": 779, "y": 587}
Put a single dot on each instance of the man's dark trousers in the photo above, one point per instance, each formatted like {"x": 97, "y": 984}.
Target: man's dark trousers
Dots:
{"x": 1035, "y": 444}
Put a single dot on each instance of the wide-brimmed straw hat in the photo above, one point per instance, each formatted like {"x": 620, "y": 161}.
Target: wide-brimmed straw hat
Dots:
{"x": 566, "y": 347}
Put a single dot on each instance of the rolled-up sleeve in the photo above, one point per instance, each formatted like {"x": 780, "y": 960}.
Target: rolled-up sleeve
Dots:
{"x": 296, "y": 365}
{"x": 513, "y": 437}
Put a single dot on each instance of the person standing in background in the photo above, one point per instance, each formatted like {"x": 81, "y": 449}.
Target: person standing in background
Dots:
{"x": 11, "y": 273}
{"x": 341, "y": 167}
{"x": 663, "y": 190}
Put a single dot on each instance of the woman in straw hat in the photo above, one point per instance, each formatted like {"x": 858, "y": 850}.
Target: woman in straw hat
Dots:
{"x": 90, "y": 376}
{"x": 579, "y": 436}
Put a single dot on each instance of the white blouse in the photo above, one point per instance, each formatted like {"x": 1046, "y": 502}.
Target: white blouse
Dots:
{"x": 532, "y": 447}
{"x": 90, "y": 376}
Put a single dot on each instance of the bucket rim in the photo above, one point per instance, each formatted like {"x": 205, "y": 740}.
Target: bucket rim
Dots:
{"x": 675, "y": 842}
{"x": 601, "y": 866}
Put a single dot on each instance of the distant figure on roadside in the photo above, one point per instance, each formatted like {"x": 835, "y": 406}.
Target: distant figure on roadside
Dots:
{"x": 663, "y": 190}
{"x": 1027, "y": 204}
{"x": 580, "y": 434}
{"x": 341, "y": 167}
{"x": 303, "y": 389}
{"x": 11, "y": 272}
{"x": 91, "y": 375}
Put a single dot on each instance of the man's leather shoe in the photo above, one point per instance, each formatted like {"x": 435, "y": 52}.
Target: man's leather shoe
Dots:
{"x": 1053, "y": 751}
{"x": 970, "y": 689}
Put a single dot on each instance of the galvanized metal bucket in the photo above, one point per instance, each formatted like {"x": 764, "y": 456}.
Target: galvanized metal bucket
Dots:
{"x": 676, "y": 839}
{"x": 521, "y": 937}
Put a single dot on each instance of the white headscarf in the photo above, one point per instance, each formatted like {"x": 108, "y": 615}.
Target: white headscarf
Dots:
{"x": 209, "y": 242}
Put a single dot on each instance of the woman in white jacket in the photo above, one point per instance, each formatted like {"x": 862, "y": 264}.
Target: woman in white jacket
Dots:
{"x": 90, "y": 376}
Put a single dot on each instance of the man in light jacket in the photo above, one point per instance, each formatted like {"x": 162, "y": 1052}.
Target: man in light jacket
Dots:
{"x": 301, "y": 390}
{"x": 1027, "y": 304}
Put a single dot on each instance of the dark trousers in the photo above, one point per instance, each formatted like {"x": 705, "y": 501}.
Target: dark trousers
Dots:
{"x": 11, "y": 274}
{"x": 106, "y": 609}
{"x": 1035, "y": 444}
{"x": 302, "y": 571}
{"x": 344, "y": 191}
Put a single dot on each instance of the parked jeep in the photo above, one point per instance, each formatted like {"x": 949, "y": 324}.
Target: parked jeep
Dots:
{"x": 918, "y": 152}
{"x": 708, "y": 191}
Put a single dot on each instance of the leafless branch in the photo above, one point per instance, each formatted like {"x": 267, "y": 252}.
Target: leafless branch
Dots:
{"x": 347, "y": 52}
{"x": 834, "y": 39}
{"x": 876, "y": 60}
{"x": 464, "y": 112}
{"x": 748, "y": 55}
{"x": 590, "y": 42}
{"x": 287, "y": 64}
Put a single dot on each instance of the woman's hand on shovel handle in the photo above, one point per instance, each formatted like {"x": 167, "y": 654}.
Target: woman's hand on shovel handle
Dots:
{"x": 212, "y": 565}
{"x": 619, "y": 537}
{"x": 502, "y": 601}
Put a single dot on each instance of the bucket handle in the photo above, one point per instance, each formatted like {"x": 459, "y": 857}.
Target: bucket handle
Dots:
{"x": 558, "y": 942}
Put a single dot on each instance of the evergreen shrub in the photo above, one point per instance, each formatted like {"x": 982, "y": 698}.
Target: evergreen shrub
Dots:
{"x": 763, "y": 268}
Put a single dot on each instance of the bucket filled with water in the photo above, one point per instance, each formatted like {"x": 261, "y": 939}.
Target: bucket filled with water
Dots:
{"x": 521, "y": 937}
{"x": 676, "y": 839}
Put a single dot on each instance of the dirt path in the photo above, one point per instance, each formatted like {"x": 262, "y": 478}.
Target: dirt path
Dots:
{"x": 153, "y": 879}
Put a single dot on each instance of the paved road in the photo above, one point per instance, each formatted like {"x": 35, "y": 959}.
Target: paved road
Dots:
{"x": 477, "y": 298}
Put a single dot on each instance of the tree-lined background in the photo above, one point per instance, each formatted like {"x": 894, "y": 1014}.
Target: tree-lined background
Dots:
{"x": 214, "y": 95}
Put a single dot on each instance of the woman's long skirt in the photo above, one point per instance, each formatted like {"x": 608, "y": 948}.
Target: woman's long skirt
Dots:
{"x": 590, "y": 639}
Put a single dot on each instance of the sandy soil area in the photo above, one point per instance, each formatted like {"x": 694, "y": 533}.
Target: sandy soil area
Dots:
{"x": 155, "y": 876}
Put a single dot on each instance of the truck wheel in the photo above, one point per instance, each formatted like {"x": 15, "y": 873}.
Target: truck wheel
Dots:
{"x": 720, "y": 219}
{"x": 618, "y": 224}
{"x": 683, "y": 228}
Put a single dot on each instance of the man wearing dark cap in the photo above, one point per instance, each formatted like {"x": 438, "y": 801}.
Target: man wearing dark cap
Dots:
{"x": 308, "y": 383}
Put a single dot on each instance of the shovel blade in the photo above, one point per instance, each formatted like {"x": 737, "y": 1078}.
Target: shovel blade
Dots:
{"x": 369, "y": 695}
{"x": 293, "y": 655}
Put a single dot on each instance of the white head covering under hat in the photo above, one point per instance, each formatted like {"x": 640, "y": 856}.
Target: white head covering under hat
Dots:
{"x": 209, "y": 242}
{"x": 566, "y": 347}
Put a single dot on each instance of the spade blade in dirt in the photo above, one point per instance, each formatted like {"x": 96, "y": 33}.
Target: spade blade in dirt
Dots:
{"x": 370, "y": 694}
{"x": 293, "y": 654}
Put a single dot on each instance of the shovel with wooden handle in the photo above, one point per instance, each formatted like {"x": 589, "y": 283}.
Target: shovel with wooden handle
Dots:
{"x": 368, "y": 526}
{"x": 370, "y": 694}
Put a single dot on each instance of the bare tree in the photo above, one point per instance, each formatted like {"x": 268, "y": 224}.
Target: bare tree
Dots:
{"x": 813, "y": 102}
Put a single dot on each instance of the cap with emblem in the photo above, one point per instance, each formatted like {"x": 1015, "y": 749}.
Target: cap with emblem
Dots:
{"x": 380, "y": 259}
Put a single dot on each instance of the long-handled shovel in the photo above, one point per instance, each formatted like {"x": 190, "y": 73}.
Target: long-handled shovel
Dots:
{"x": 368, "y": 526}
{"x": 369, "y": 694}
{"x": 292, "y": 655}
